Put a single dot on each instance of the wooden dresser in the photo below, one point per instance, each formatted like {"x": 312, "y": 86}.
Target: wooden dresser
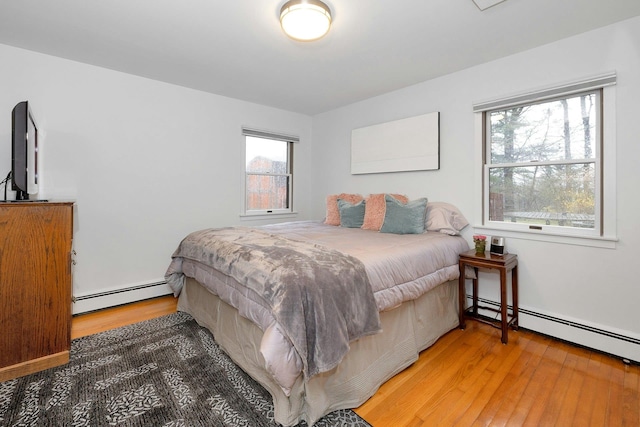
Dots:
{"x": 35, "y": 286}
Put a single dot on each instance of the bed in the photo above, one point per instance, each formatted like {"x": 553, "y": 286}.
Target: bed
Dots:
{"x": 406, "y": 300}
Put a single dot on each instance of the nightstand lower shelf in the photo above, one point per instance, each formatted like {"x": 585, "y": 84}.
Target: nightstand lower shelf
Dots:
{"x": 469, "y": 313}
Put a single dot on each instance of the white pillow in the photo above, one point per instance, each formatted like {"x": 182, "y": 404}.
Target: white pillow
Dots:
{"x": 445, "y": 218}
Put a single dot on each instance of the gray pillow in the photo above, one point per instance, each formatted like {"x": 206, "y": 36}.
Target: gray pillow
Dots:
{"x": 351, "y": 216}
{"x": 404, "y": 218}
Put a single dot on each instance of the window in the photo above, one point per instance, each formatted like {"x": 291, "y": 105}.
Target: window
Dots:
{"x": 268, "y": 172}
{"x": 543, "y": 161}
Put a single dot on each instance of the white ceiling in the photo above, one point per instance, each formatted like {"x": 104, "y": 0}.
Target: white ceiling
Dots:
{"x": 236, "y": 48}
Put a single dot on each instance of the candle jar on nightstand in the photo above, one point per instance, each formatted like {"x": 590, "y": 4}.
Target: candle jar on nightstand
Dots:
{"x": 480, "y": 242}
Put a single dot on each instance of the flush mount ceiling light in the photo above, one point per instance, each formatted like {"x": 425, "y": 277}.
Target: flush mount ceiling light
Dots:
{"x": 305, "y": 20}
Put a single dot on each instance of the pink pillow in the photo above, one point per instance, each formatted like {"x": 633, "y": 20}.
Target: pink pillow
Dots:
{"x": 375, "y": 209}
{"x": 333, "y": 214}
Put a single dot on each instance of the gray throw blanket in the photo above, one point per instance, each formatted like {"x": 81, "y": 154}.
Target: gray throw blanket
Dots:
{"x": 321, "y": 298}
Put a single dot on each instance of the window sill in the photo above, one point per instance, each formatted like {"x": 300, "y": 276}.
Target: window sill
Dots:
{"x": 251, "y": 217}
{"x": 604, "y": 242}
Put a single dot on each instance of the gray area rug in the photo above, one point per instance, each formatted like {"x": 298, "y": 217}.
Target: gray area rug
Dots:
{"x": 162, "y": 372}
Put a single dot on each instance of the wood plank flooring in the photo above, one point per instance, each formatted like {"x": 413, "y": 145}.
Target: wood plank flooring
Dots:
{"x": 469, "y": 378}
{"x": 103, "y": 320}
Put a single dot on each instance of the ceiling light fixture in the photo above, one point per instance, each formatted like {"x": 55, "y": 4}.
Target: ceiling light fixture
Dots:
{"x": 305, "y": 20}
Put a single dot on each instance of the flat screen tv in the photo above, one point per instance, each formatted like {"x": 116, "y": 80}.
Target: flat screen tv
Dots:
{"x": 24, "y": 152}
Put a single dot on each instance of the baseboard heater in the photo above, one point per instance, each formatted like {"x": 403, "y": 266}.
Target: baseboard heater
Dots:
{"x": 118, "y": 291}
{"x": 566, "y": 323}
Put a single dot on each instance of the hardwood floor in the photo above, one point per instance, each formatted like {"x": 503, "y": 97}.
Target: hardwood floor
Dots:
{"x": 469, "y": 378}
{"x": 103, "y": 320}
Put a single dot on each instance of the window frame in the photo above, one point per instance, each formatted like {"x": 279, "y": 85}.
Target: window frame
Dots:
{"x": 595, "y": 160}
{"x": 604, "y": 232}
{"x": 289, "y": 140}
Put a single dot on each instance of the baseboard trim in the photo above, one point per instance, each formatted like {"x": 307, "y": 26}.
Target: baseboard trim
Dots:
{"x": 616, "y": 343}
{"x": 118, "y": 296}
{"x": 31, "y": 366}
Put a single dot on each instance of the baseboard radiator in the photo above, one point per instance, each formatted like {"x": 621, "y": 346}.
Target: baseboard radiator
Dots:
{"x": 119, "y": 296}
{"x": 605, "y": 341}
{"x": 618, "y": 345}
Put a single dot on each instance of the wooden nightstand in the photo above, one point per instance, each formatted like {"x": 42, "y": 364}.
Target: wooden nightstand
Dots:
{"x": 502, "y": 263}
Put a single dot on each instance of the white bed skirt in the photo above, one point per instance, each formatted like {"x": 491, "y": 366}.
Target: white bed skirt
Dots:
{"x": 372, "y": 360}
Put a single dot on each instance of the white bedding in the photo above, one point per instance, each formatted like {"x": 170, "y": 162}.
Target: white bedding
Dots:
{"x": 400, "y": 268}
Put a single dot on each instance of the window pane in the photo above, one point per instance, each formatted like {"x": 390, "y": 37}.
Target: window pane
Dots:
{"x": 267, "y": 192}
{"x": 562, "y": 129}
{"x": 266, "y": 155}
{"x": 562, "y": 195}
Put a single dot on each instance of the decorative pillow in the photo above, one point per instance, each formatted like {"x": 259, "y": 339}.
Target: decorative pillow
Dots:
{"x": 351, "y": 216}
{"x": 445, "y": 218}
{"x": 404, "y": 218}
{"x": 333, "y": 214}
{"x": 375, "y": 210}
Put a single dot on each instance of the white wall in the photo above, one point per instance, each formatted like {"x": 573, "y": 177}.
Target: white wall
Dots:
{"x": 590, "y": 286}
{"x": 146, "y": 163}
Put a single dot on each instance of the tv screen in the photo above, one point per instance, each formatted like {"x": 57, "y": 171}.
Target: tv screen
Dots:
{"x": 24, "y": 152}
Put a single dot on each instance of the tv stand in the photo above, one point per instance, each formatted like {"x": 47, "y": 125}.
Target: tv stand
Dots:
{"x": 35, "y": 296}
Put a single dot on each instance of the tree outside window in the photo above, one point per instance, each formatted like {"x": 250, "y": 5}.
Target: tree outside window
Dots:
{"x": 542, "y": 162}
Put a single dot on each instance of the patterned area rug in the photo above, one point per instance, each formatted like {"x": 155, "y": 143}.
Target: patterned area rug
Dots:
{"x": 162, "y": 372}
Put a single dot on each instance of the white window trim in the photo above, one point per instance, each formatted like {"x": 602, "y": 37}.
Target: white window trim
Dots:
{"x": 266, "y": 213}
{"x": 260, "y": 216}
{"x": 608, "y": 238}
